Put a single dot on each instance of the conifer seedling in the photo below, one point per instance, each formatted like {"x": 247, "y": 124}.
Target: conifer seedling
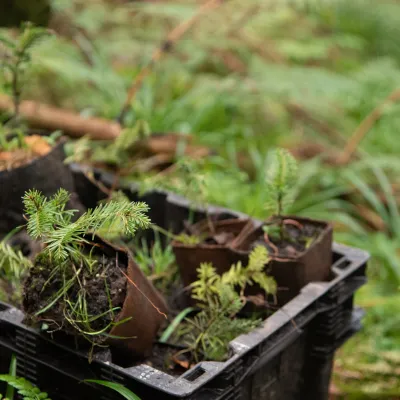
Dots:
{"x": 17, "y": 60}
{"x": 281, "y": 178}
{"x": 220, "y": 298}
{"x": 71, "y": 257}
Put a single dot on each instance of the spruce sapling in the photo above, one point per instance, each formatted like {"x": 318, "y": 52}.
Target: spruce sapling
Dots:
{"x": 50, "y": 222}
{"x": 208, "y": 334}
{"x": 281, "y": 178}
{"x": 72, "y": 258}
{"x": 17, "y": 60}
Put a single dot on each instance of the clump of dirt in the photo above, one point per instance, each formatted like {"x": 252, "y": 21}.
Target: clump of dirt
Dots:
{"x": 35, "y": 146}
{"x": 104, "y": 287}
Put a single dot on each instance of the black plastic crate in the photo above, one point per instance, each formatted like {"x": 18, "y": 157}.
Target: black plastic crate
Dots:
{"x": 288, "y": 358}
{"x": 167, "y": 209}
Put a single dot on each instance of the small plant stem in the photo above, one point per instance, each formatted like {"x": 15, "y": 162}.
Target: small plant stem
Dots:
{"x": 163, "y": 231}
{"x": 16, "y": 97}
{"x": 268, "y": 241}
{"x": 281, "y": 224}
{"x": 16, "y": 92}
{"x": 293, "y": 222}
{"x": 210, "y": 222}
{"x": 165, "y": 47}
{"x": 136, "y": 286}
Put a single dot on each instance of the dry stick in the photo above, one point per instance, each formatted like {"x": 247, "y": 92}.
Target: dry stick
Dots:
{"x": 46, "y": 117}
{"x": 97, "y": 183}
{"x": 165, "y": 47}
{"x": 365, "y": 127}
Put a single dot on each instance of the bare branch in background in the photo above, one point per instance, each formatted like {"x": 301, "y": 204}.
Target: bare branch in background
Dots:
{"x": 366, "y": 126}
{"x": 165, "y": 47}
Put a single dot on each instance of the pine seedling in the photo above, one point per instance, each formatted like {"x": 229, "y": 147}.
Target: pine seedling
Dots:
{"x": 68, "y": 255}
{"x": 50, "y": 222}
{"x": 281, "y": 178}
{"x": 17, "y": 60}
{"x": 210, "y": 331}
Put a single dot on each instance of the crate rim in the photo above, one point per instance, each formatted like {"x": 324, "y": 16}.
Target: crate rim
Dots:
{"x": 301, "y": 309}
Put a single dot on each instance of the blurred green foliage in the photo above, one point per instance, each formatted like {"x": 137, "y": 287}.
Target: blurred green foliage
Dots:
{"x": 230, "y": 82}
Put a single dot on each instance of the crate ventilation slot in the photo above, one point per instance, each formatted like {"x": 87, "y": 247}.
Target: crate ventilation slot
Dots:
{"x": 193, "y": 375}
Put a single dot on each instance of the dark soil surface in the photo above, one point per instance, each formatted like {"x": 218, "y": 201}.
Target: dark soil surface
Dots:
{"x": 40, "y": 290}
{"x": 297, "y": 238}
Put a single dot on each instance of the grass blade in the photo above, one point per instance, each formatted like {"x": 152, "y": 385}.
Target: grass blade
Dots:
{"x": 117, "y": 387}
{"x": 12, "y": 372}
{"x": 174, "y": 324}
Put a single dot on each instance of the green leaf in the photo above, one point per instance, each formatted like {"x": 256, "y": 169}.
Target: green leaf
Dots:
{"x": 122, "y": 390}
{"x": 174, "y": 324}
{"x": 12, "y": 372}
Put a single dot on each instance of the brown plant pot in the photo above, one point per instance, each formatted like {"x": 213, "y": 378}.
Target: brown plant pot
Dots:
{"x": 189, "y": 257}
{"x": 293, "y": 273}
{"x": 147, "y": 310}
{"x": 142, "y": 303}
{"x": 46, "y": 174}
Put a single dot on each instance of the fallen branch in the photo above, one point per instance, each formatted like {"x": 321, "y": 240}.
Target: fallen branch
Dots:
{"x": 165, "y": 47}
{"x": 39, "y": 115}
{"x": 366, "y": 126}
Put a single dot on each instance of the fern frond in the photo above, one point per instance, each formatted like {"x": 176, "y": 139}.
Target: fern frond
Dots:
{"x": 267, "y": 283}
{"x": 207, "y": 282}
{"x": 235, "y": 276}
{"x": 25, "y": 389}
{"x": 258, "y": 259}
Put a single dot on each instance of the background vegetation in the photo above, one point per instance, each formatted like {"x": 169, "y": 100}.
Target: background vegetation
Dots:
{"x": 248, "y": 76}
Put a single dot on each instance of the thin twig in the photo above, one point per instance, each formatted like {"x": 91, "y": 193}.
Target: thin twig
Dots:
{"x": 165, "y": 47}
{"x": 98, "y": 184}
{"x": 288, "y": 221}
{"x": 268, "y": 241}
{"x": 114, "y": 185}
{"x": 136, "y": 286}
{"x": 366, "y": 126}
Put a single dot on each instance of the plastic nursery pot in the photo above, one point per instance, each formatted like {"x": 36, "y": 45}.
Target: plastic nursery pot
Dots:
{"x": 292, "y": 273}
{"x": 189, "y": 257}
{"x": 140, "y": 303}
{"x": 46, "y": 174}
